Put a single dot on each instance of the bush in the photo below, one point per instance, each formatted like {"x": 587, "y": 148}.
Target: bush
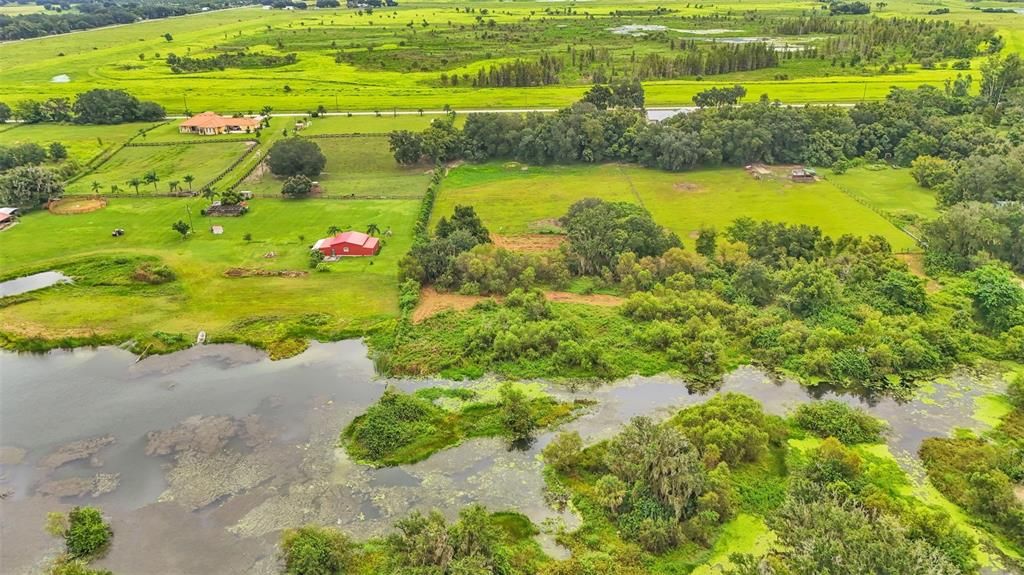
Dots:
{"x": 564, "y": 451}
{"x": 297, "y": 186}
{"x": 313, "y": 550}
{"x": 87, "y": 534}
{"x": 66, "y": 566}
{"x": 836, "y": 419}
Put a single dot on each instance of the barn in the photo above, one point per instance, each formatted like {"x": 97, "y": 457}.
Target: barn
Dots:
{"x": 348, "y": 244}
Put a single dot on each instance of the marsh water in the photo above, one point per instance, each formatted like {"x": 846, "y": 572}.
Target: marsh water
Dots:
{"x": 203, "y": 456}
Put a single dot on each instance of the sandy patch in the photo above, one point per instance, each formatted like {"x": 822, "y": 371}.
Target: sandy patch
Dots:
{"x": 76, "y": 450}
{"x": 70, "y": 206}
{"x": 80, "y": 486}
{"x": 433, "y": 302}
{"x": 1019, "y": 492}
{"x": 528, "y": 242}
{"x": 11, "y": 455}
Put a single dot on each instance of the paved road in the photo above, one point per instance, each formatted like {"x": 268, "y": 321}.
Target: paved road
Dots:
{"x": 654, "y": 112}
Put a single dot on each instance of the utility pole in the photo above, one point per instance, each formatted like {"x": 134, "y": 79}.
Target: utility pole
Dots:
{"x": 185, "y": 100}
{"x": 188, "y": 209}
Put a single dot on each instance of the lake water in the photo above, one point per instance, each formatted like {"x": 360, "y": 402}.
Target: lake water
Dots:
{"x": 30, "y": 283}
{"x": 201, "y": 457}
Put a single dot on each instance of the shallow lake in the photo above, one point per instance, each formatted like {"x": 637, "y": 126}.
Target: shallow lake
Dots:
{"x": 31, "y": 283}
{"x": 201, "y": 457}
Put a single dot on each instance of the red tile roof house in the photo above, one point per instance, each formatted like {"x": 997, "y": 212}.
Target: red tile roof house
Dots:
{"x": 210, "y": 124}
{"x": 348, "y": 244}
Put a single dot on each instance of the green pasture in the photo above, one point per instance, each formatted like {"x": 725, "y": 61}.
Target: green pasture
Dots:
{"x": 83, "y": 142}
{"x": 386, "y": 122}
{"x": 384, "y": 63}
{"x": 891, "y": 190}
{"x": 362, "y": 166}
{"x": 353, "y": 295}
{"x": 171, "y": 163}
{"x": 516, "y": 199}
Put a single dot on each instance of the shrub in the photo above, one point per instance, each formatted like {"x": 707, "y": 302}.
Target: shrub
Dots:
{"x": 836, "y": 419}
{"x": 314, "y": 550}
{"x": 87, "y": 534}
{"x": 564, "y": 451}
{"x": 153, "y": 274}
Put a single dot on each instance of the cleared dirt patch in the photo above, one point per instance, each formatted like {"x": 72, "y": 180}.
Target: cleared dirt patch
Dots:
{"x": 69, "y": 206}
{"x": 432, "y": 302}
{"x": 1019, "y": 491}
{"x": 528, "y": 242}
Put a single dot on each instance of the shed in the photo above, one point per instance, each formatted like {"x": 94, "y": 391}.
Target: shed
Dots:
{"x": 803, "y": 175}
{"x": 217, "y": 230}
{"x": 347, "y": 244}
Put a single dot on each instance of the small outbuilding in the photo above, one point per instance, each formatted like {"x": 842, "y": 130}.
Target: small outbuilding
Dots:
{"x": 803, "y": 175}
{"x": 347, "y": 244}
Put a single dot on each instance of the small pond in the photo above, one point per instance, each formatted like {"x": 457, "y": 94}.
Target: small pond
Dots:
{"x": 31, "y": 283}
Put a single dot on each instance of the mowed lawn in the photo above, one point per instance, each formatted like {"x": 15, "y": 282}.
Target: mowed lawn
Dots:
{"x": 355, "y": 294}
{"x": 514, "y": 200}
{"x": 82, "y": 142}
{"x": 174, "y": 162}
{"x": 363, "y": 166}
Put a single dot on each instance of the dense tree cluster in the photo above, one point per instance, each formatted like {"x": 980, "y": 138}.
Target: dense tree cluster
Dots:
{"x": 970, "y": 234}
{"x": 518, "y": 73}
{"x": 93, "y": 107}
{"x": 434, "y": 258}
{"x": 24, "y": 154}
{"x": 873, "y": 38}
{"x": 600, "y": 232}
{"x": 296, "y": 156}
{"x": 702, "y": 60}
{"x": 241, "y": 59}
{"x": 29, "y": 186}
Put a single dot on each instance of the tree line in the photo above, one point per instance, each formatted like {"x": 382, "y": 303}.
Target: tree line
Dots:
{"x": 97, "y": 13}
{"x": 92, "y": 107}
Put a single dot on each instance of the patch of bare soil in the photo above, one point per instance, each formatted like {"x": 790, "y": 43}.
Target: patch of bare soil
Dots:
{"x": 11, "y": 455}
{"x": 916, "y": 264}
{"x": 69, "y": 206}
{"x": 250, "y": 272}
{"x": 76, "y": 450}
{"x": 1019, "y": 492}
{"x": 80, "y": 486}
{"x": 687, "y": 187}
{"x": 433, "y": 302}
{"x": 597, "y": 299}
{"x": 528, "y": 242}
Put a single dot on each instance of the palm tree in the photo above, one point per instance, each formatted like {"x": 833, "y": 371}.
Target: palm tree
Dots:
{"x": 151, "y": 178}
{"x": 333, "y": 230}
{"x": 209, "y": 193}
{"x": 189, "y": 178}
{"x": 135, "y": 183}
{"x": 373, "y": 229}
{"x": 173, "y": 185}
{"x": 114, "y": 190}
{"x": 96, "y": 187}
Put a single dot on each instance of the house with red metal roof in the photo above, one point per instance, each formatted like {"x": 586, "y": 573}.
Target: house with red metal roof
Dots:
{"x": 348, "y": 244}
{"x": 211, "y": 123}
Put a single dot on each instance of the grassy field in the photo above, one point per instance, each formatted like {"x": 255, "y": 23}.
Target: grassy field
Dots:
{"x": 514, "y": 199}
{"x": 82, "y": 142}
{"x": 394, "y": 57}
{"x": 354, "y": 295}
{"x": 891, "y": 190}
{"x": 362, "y": 166}
{"x": 170, "y": 163}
